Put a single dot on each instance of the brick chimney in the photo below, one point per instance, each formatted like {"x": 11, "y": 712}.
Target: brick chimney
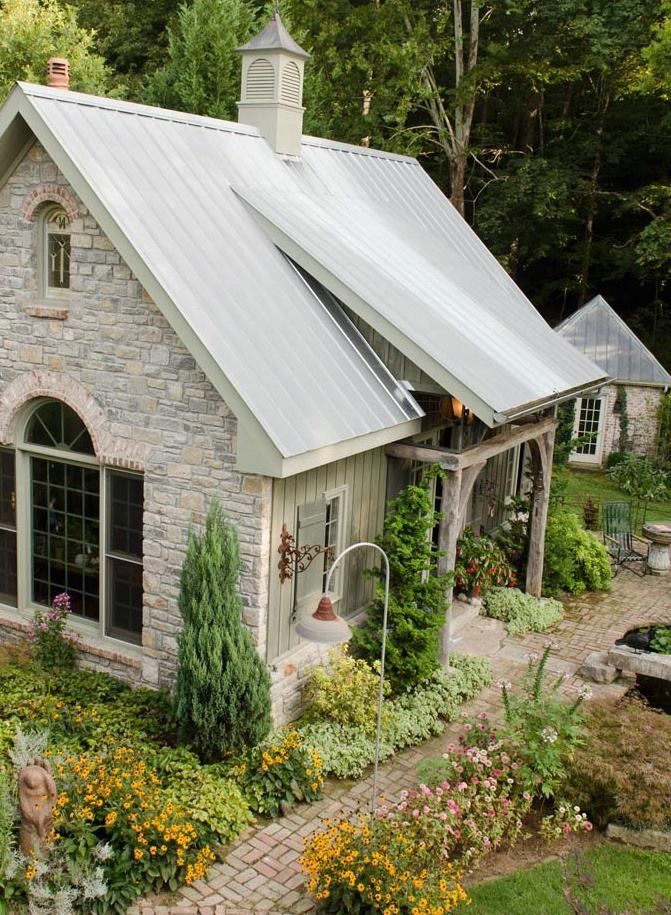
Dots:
{"x": 58, "y": 73}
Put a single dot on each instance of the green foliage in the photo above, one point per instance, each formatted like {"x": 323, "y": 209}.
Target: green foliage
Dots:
{"x": 522, "y": 612}
{"x": 417, "y": 594}
{"x": 575, "y": 560}
{"x": 8, "y": 815}
{"x": 564, "y": 441}
{"x": 590, "y": 514}
{"x": 614, "y": 458}
{"x": 347, "y": 692}
{"x": 621, "y": 773}
{"x": 481, "y": 564}
{"x": 620, "y": 407}
{"x": 639, "y": 477}
{"x": 543, "y": 730}
{"x": 664, "y": 432}
{"x": 222, "y": 694}
{"x": 414, "y": 716}
{"x": 279, "y": 772}
{"x": 32, "y": 31}
{"x": 54, "y": 645}
{"x": 661, "y": 643}
{"x": 202, "y": 74}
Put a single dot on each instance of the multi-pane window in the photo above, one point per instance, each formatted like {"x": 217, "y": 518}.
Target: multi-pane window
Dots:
{"x": 56, "y": 251}
{"x": 83, "y": 532}
{"x": 8, "y": 582}
{"x": 588, "y": 422}
{"x": 331, "y": 539}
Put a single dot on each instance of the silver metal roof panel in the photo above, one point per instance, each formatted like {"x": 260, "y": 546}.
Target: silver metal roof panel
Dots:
{"x": 600, "y": 333}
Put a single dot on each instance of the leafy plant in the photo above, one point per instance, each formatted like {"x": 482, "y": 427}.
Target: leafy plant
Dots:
{"x": 661, "y": 643}
{"x": 543, "y": 730}
{"x": 522, "y": 612}
{"x": 663, "y": 445}
{"x": 513, "y": 536}
{"x": 621, "y": 773}
{"x": 640, "y": 478}
{"x": 54, "y": 646}
{"x": 347, "y": 692}
{"x": 481, "y": 564}
{"x": 417, "y": 603}
{"x": 279, "y": 772}
{"x": 222, "y": 693}
{"x": 620, "y": 407}
{"x": 575, "y": 560}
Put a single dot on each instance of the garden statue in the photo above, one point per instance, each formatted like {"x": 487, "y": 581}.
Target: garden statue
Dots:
{"x": 37, "y": 796}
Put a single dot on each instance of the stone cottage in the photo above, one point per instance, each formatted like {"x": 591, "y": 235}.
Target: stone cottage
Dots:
{"x": 193, "y": 308}
{"x": 621, "y": 415}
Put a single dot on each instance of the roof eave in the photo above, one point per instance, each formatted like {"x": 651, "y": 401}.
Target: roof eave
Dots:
{"x": 557, "y": 397}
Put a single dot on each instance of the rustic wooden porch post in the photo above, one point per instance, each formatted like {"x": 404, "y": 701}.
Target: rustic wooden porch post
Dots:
{"x": 457, "y": 486}
{"x": 541, "y": 449}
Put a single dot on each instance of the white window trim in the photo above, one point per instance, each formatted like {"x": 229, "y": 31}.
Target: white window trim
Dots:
{"x": 50, "y": 293}
{"x": 26, "y": 606}
{"x": 597, "y": 457}
{"x": 342, "y": 537}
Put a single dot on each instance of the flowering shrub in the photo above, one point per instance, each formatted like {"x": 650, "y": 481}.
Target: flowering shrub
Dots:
{"x": 522, "y": 612}
{"x": 347, "y": 692}
{"x": 481, "y": 565}
{"x": 54, "y": 646}
{"x": 116, "y": 798}
{"x": 279, "y": 772}
{"x": 544, "y": 730}
{"x": 575, "y": 560}
{"x": 565, "y": 820}
{"x": 366, "y": 867}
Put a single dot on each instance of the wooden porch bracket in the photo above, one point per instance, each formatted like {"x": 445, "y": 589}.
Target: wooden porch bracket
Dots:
{"x": 462, "y": 470}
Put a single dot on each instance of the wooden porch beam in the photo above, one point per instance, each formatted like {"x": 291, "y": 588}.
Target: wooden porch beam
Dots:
{"x": 476, "y": 454}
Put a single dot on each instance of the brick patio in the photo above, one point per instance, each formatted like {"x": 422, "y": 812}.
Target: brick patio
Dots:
{"x": 260, "y": 874}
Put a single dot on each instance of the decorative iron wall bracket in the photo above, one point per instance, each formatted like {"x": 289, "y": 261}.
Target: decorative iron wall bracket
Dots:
{"x": 295, "y": 559}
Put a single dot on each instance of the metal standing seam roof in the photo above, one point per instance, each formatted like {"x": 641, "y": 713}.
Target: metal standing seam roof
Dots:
{"x": 173, "y": 193}
{"x": 600, "y": 333}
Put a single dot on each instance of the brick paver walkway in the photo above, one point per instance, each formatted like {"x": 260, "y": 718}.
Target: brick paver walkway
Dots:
{"x": 260, "y": 874}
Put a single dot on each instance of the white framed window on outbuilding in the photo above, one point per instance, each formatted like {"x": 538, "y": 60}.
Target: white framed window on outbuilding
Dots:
{"x": 588, "y": 428}
{"x": 67, "y": 523}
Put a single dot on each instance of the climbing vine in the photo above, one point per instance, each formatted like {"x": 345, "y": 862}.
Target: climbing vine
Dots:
{"x": 664, "y": 431}
{"x": 621, "y": 409}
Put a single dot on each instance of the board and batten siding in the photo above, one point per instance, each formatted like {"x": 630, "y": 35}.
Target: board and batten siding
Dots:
{"x": 365, "y": 476}
{"x": 399, "y": 365}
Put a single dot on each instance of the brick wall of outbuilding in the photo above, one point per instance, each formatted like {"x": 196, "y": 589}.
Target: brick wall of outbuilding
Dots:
{"x": 642, "y": 406}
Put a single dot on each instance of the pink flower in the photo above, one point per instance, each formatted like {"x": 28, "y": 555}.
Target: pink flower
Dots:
{"x": 415, "y": 813}
{"x": 588, "y": 826}
{"x": 442, "y": 816}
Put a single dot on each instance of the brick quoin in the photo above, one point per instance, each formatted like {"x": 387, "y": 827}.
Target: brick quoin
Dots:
{"x": 50, "y": 193}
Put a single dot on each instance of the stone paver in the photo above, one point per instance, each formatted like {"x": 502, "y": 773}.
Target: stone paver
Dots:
{"x": 261, "y": 873}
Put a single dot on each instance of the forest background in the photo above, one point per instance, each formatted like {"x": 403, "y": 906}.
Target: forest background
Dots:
{"x": 546, "y": 122}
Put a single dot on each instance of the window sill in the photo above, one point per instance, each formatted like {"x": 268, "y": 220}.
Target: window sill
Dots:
{"x": 96, "y": 646}
{"x": 52, "y": 312}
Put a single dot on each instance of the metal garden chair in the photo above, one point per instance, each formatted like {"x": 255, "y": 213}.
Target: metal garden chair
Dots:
{"x": 624, "y": 547}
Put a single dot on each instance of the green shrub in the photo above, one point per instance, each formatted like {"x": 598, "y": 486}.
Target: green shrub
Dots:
{"x": 614, "y": 458}
{"x": 543, "y": 730}
{"x": 414, "y": 716}
{"x": 279, "y": 772}
{"x": 417, "y": 603}
{"x": 481, "y": 565}
{"x": 664, "y": 432}
{"x": 622, "y": 771}
{"x": 347, "y": 692}
{"x": 222, "y": 693}
{"x": 661, "y": 643}
{"x": 575, "y": 560}
{"x": 8, "y": 816}
{"x": 643, "y": 481}
{"x": 522, "y": 612}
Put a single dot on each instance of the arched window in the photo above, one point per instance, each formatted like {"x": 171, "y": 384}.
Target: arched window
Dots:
{"x": 56, "y": 251}
{"x": 82, "y": 525}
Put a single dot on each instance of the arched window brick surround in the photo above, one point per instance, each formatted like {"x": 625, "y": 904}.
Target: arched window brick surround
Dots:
{"x": 50, "y": 193}
{"x": 109, "y": 450}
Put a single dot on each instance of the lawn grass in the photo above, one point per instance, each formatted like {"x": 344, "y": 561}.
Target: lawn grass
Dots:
{"x": 598, "y": 485}
{"x": 609, "y": 879}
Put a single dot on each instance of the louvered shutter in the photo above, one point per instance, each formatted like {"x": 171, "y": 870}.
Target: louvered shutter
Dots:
{"x": 311, "y": 530}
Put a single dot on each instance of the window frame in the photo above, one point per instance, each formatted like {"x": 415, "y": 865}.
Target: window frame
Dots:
{"x": 8, "y": 528}
{"x": 24, "y": 451}
{"x": 581, "y": 457}
{"x": 340, "y": 493}
{"x": 47, "y": 292}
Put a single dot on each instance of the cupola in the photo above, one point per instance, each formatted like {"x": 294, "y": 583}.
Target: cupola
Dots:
{"x": 272, "y": 87}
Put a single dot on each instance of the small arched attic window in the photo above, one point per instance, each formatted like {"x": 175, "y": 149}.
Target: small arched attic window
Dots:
{"x": 291, "y": 84}
{"x": 261, "y": 81}
{"x": 55, "y": 254}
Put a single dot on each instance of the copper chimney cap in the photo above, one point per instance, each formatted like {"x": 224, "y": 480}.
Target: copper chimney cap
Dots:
{"x": 58, "y": 73}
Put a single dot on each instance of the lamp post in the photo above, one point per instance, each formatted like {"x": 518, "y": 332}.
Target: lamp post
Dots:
{"x": 325, "y": 627}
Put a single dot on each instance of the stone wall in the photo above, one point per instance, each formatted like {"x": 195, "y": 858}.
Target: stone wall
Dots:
{"x": 642, "y": 406}
{"x": 109, "y": 353}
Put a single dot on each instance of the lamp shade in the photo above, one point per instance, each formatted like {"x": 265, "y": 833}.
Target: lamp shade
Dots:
{"x": 324, "y": 626}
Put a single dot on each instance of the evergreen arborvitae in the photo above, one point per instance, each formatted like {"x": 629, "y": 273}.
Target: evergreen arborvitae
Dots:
{"x": 417, "y": 594}
{"x": 223, "y": 687}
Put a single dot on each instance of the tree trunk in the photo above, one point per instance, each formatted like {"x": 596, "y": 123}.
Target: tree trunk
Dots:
{"x": 457, "y": 183}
